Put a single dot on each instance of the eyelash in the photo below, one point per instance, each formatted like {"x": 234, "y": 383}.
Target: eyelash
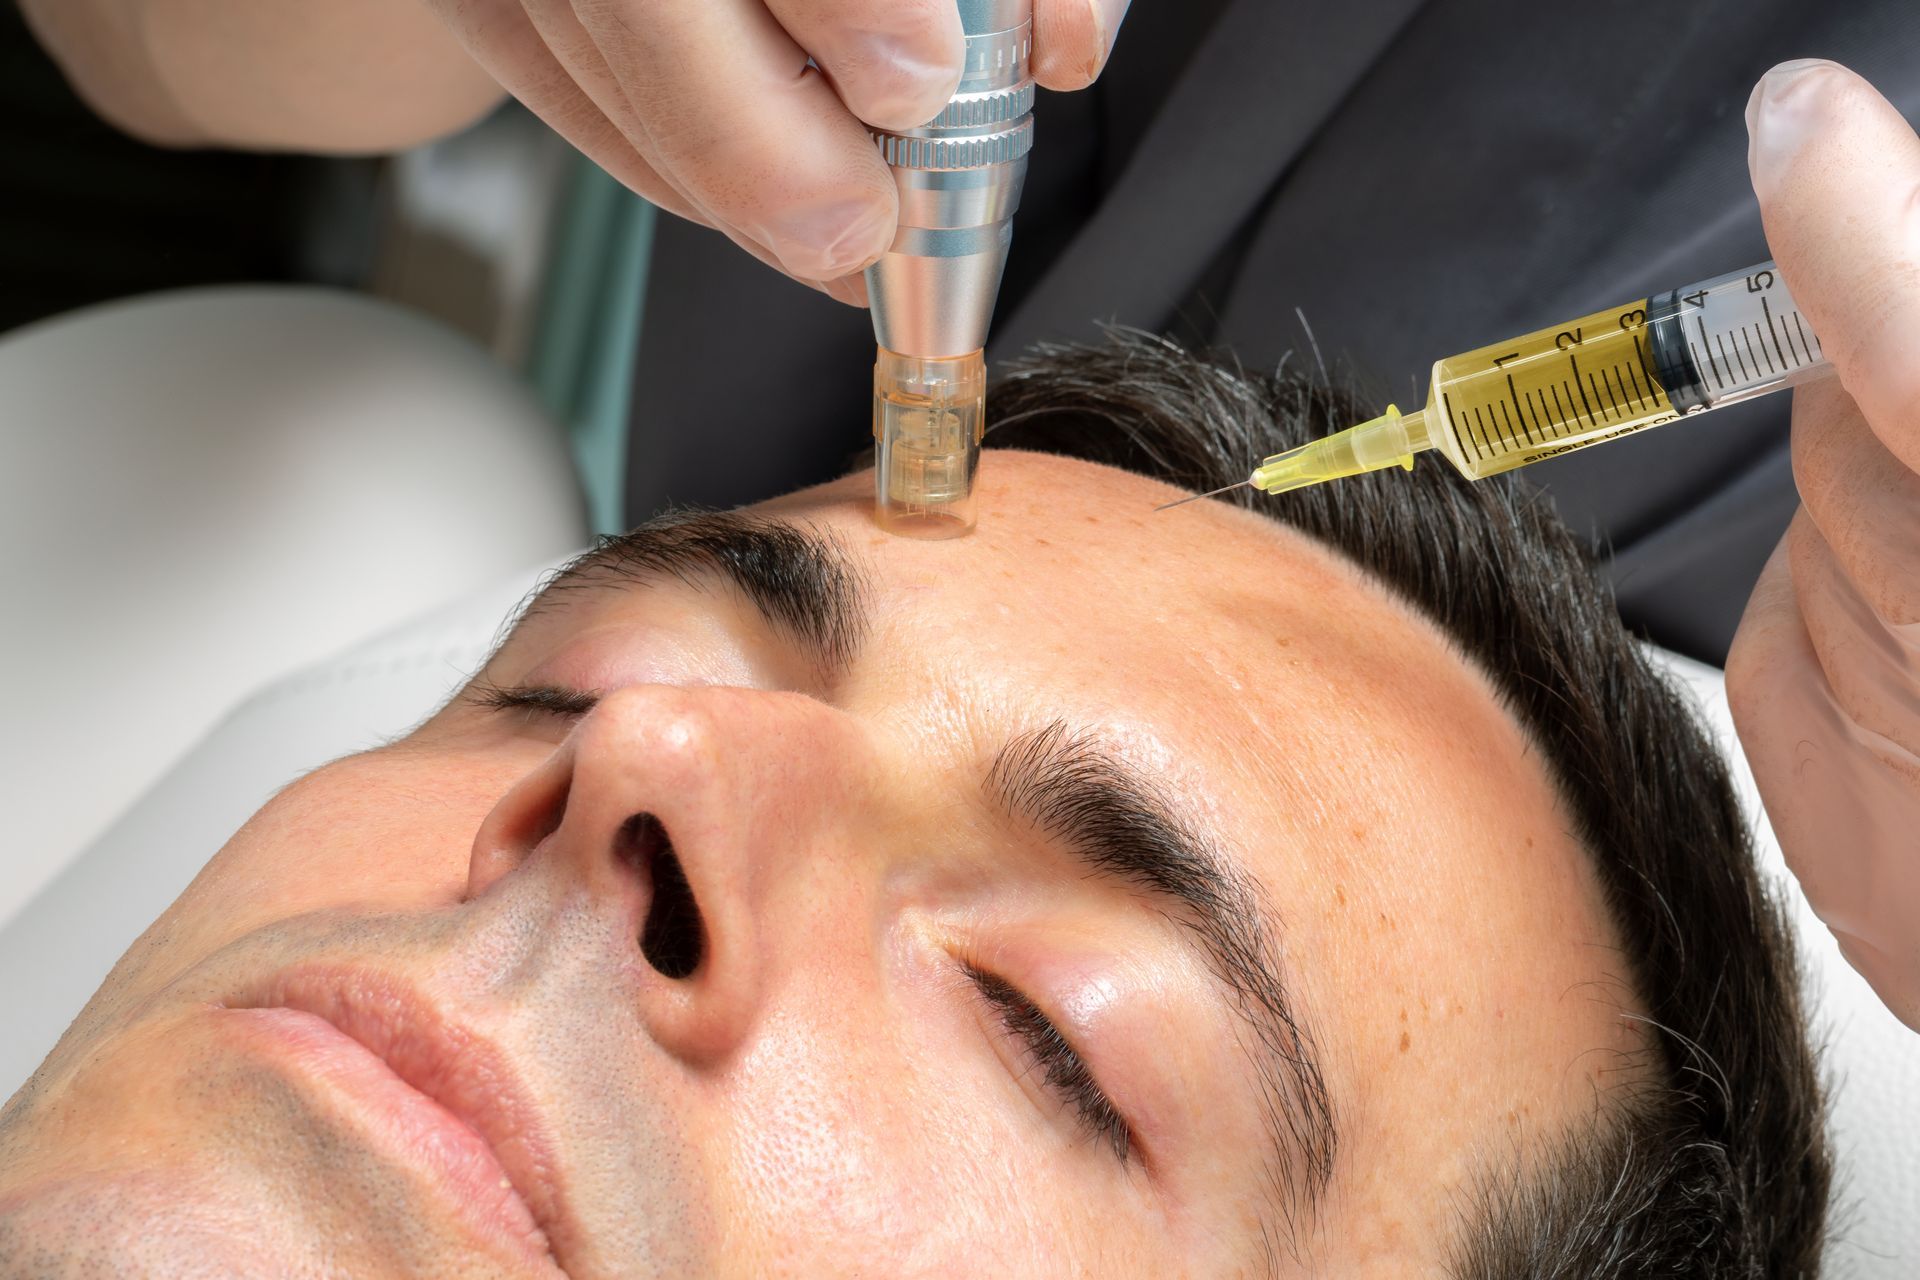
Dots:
{"x": 544, "y": 698}
{"x": 1060, "y": 1064}
{"x": 1065, "y": 1073}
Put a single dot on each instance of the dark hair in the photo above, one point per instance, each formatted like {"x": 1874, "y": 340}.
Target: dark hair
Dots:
{"x": 1720, "y": 1167}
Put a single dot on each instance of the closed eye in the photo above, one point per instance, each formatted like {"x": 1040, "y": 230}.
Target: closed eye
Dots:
{"x": 541, "y": 699}
{"x": 1061, "y": 1066}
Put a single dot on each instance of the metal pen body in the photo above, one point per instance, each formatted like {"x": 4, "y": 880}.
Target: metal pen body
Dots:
{"x": 932, "y": 294}
{"x": 959, "y": 177}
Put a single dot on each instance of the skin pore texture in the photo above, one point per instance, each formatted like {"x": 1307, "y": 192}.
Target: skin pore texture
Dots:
{"x": 402, "y": 1023}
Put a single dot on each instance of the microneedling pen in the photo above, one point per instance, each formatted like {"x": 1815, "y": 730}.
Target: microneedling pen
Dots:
{"x": 932, "y": 294}
{"x": 1585, "y": 382}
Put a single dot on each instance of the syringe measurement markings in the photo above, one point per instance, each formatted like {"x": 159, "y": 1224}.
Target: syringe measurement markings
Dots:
{"x": 1616, "y": 380}
{"x": 1518, "y": 411}
{"x": 1646, "y": 367}
{"x": 1718, "y": 381}
{"x": 1596, "y": 395}
{"x": 1803, "y": 331}
{"x": 1587, "y": 405}
{"x": 1486, "y": 441}
{"x": 1552, "y": 428}
{"x": 1493, "y": 428}
{"x": 1763, "y": 348}
{"x": 1720, "y": 342}
{"x": 1794, "y": 354}
{"x": 1800, "y": 349}
{"x": 1520, "y": 431}
{"x": 1459, "y": 433}
{"x": 1745, "y": 372}
{"x": 1559, "y": 418}
{"x": 1525, "y": 409}
{"x": 1616, "y": 387}
{"x": 1489, "y": 428}
{"x": 1767, "y": 311}
{"x": 1639, "y": 388}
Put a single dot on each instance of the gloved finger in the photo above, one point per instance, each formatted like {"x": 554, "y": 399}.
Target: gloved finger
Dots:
{"x": 894, "y": 63}
{"x": 524, "y": 49}
{"x": 1837, "y": 170}
{"x": 542, "y": 54}
{"x": 739, "y": 120}
{"x": 574, "y": 51}
{"x": 560, "y": 29}
{"x": 851, "y": 290}
{"x": 1872, "y": 669}
{"x": 503, "y": 40}
{"x": 1865, "y": 501}
{"x": 1840, "y": 801}
{"x": 1071, "y": 40}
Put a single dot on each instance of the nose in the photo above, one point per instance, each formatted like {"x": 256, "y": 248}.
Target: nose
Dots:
{"x": 697, "y": 820}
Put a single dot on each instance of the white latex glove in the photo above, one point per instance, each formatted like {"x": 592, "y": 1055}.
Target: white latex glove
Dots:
{"x": 709, "y": 108}
{"x": 1824, "y": 677}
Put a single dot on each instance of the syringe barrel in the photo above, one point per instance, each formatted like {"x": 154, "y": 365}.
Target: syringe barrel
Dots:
{"x": 1616, "y": 372}
{"x": 1731, "y": 338}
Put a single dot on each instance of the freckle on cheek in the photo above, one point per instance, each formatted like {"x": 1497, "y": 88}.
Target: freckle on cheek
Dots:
{"x": 1406, "y": 1042}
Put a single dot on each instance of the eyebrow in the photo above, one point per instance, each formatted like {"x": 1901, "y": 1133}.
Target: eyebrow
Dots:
{"x": 1118, "y": 823}
{"x": 798, "y": 577}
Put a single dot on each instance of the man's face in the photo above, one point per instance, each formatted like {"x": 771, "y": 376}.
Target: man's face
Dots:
{"x": 1104, "y": 892}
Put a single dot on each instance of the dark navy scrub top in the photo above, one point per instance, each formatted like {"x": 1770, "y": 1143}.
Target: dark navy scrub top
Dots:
{"x": 1413, "y": 177}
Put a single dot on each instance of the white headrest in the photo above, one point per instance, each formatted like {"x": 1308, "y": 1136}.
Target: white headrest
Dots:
{"x": 73, "y": 932}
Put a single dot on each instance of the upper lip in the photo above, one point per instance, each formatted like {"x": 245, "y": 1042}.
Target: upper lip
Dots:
{"x": 455, "y": 1066}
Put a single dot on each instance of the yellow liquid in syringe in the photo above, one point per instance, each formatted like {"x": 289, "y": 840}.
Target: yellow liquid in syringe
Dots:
{"x": 1585, "y": 382}
{"x": 1548, "y": 393}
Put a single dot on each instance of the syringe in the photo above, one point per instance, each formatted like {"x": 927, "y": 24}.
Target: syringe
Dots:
{"x": 1591, "y": 380}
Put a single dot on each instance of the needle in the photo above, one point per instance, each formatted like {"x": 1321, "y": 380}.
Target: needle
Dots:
{"x": 1196, "y": 497}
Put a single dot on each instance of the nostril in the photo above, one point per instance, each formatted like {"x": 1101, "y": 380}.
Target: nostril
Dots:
{"x": 671, "y": 938}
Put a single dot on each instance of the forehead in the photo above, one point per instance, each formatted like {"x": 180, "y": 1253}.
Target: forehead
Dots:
{"x": 1204, "y": 628}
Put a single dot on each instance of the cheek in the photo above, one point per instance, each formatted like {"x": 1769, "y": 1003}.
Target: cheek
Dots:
{"x": 839, "y": 1145}
{"x": 386, "y": 831}
{"x": 859, "y": 1121}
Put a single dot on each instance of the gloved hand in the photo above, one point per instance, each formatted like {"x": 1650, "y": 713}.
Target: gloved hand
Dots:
{"x": 1824, "y": 677}
{"x": 709, "y": 108}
